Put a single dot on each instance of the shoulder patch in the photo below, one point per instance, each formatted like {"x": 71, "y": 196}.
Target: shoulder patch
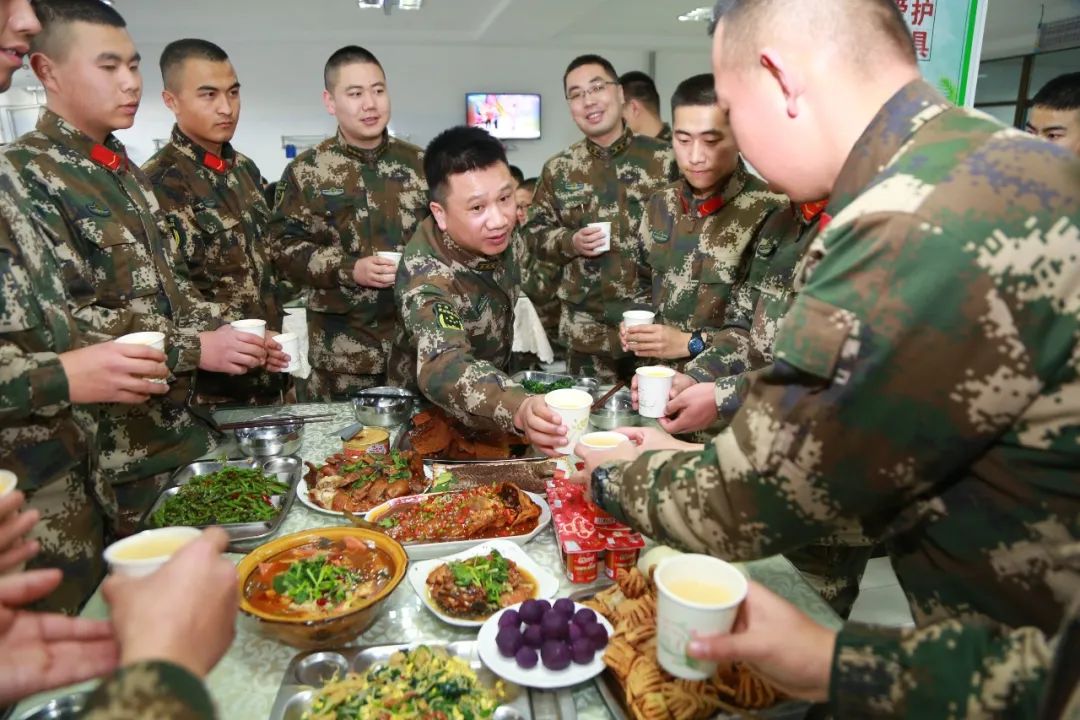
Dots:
{"x": 333, "y": 192}
{"x": 659, "y": 236}
{"x": 279, "y": 192}
{"x": 446, "y": 317}
{"x": 95, "y": 209}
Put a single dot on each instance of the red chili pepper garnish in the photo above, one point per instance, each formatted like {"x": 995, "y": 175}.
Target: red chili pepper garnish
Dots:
{"x": 320, "y": 602}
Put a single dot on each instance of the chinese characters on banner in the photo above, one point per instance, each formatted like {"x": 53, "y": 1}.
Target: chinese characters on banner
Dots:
{"x": 948, "y": 40}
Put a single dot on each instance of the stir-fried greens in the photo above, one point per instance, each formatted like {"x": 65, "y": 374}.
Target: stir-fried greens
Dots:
{"x": 490, "y": 572}
{"x": 230, "y": 495}
{"x": 316, "y": 579}
{"x": 537, "y": 387}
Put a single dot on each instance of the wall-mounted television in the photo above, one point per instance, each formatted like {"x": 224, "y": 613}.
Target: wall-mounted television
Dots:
{"x": 507, "y": 116}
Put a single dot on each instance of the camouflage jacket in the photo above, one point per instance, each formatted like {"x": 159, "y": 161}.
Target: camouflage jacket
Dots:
{"x": 587, "y": 183}
{"x": 216, "y": 207}
{"x": 758, "y": 304}
{"x": 458, "y": 326}
{"x": 925, "y": 380}
{"x": 152, "y": 689}
{"x": 695, "y": 249}
{"x": 123, "y": 274}
{"x": 335, "y": 205}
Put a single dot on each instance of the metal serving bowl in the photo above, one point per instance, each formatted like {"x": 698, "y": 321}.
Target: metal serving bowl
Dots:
{"x": 383, "y": 406}
{"x": 618, "y": 411}
{"x": 271, "y": 441}
{"x": 64, "y": 707}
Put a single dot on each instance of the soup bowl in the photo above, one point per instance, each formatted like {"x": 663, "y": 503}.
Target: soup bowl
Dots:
{"x": 315, "y": 630}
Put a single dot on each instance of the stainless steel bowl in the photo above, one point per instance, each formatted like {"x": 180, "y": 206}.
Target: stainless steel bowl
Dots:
{"x": 271, "y": 441}
{"x": 64, "y": 707}
{"x": 383, "y": 406}
{"x": 618, "y": 411}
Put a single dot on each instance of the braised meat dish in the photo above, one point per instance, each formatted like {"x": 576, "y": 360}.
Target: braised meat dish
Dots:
{"x": 485, "y": 512}
{"x": 357, "y": 484}
{"x": 478, "y": 587}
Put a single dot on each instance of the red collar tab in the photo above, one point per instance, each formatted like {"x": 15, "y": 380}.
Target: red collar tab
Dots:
{"x": 706, "y": 208}
{"x": 811, "y": 210}
{"x": 215, "y": 163}
{"x": 109, "y": 160}
{"x": 826, "y": 218}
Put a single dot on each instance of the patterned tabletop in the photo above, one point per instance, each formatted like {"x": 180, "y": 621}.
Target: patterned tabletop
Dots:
{"x": 245, "y": 682}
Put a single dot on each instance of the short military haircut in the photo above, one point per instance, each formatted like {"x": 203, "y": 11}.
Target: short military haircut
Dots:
{"x": 590, "y": 59}
{"x": 179, "y": 52}
{"x": 528, "y": 184}
{"x": 868, "y": 30}
{"x": 1061, "y": 93}
{"x": 348, "y": 55}
{"x": 515, "y": 172}
{"x": 636, "y": 85}
{"x": 56, "y": 17}
{"x": 697, "y": 90}
{"x": 459, "y": 150}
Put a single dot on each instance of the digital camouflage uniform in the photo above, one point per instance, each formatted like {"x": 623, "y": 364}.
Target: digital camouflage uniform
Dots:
{"x": 216, "y": 207}
{"x": 694, "y": 250}
{"x": 665, "y": 134}
{"x": 151, "y": 689}
{"x": 455, "y": 341}
{"x": 745, "y": 345}
{"x": 337, "y": 204}
{"x": 122, "y": 273}
{"x": 588, "y": 183}
{"x": 959, "y": 670}
{"x": 925, "y": 381}
{"x": 44, "y": 439}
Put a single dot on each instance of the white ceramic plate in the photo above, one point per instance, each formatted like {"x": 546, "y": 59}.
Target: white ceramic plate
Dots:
{"x": 539, "y": 676}
{"x": 546, "y": 583}
{"x": 302, "y": 496}
{"x": 427, "y": 551}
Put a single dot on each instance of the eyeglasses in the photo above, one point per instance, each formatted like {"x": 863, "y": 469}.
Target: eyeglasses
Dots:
{"x": 595, "y": 89}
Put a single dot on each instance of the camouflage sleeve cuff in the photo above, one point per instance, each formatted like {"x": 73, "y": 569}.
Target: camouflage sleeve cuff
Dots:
{"x": 48, "y": 383}
{"x": 345, "y": 271}
{"x": 184, "y": 351}
{"x": 151, "y": 689}
{"x": 611, "y": 496}
{"x": 513, "y": 396}
{"x": 566, "y": 245}
{"x": 698, "y": 373}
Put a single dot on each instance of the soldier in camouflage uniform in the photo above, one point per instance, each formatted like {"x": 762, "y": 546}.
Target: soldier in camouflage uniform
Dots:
{"x": 212, "y": 197}
{"x": 118, "y": 256}
{"x": 697, "y": 231}
{"x": 339, "y": 204}
{"x": 924, "y": 380}
{"x": 607, "y": 176}
{"x": 641, "y": 111}
{"x": 458, "y": 285}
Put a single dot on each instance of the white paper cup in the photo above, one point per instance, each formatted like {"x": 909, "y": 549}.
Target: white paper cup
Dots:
{"x": 143, "y": 553}
{"x": 290, "y": 345}
{"x": 606, "y": 227}
{"x": 251, "y": 327}
{"x": 155, "y": 340}
{"x": 8, "y": 482}
{"x": 573, "y": 407}
{"x": 638, "y": 317}
{"x": 604, "y": 440}
{"x": 389, "y": 255}
{"x": 654, "y": 386}
{"x": 677, "y": 616}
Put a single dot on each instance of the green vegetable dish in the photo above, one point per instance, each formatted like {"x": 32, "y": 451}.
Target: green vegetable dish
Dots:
{"x": 536, "y": 387}
{"x": 230, "y": 495}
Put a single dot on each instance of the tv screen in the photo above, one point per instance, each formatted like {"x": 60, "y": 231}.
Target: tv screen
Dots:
{"x": 507, "y": 116}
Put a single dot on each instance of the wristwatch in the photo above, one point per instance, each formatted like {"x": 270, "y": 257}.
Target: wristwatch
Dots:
{"x": 599, "y": 477}
{"x": 696, "y": 344}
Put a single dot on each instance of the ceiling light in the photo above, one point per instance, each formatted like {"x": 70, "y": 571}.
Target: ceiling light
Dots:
{"x": 702, "y": 14}
{"x": 370, "y": 4}
{"x": 410, "y": 4}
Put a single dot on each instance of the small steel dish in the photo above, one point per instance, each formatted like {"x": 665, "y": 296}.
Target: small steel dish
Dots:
{"x": 383, "y": 406}
{"x": 65, "y": 707}
{"x": 271, "y": 441}
{"x": 317, "y": 633}
{"x": 618, "y": 411}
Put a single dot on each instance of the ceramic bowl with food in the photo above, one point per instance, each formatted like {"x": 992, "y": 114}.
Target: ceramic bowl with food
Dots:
{"x": 356, "y": 570}
{"x": 383, "y": 406}
{"x": 271, "y": 440}
{"x": 618, "y": 411}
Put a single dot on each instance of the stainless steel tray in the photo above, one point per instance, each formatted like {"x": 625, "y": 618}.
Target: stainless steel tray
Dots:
{"x": 309, "y": 671}
{"x": 242, "y": 536}
{"x": 588, "y": 384}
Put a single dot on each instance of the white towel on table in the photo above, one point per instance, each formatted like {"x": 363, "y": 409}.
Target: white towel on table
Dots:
{"x": 529, "y": 335}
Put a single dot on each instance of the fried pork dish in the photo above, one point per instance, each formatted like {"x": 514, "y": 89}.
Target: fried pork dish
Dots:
{"x": 477, "y": 587}
{"x": 357, "y": 484}
{"x": 435, "y": 435}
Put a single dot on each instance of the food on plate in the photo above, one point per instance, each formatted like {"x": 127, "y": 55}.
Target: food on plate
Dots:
{"x": 486, "y": 512}
{"x": 436, "y": 435}
{"x": 230, "y": 495}
{"x": 477, "y": 587}
{"x": 421, "y": 683}
{"x": 320, "y": 578}
{"x": 359, "y": 483}
{"x": 650, "y": 692}
{"x": 529, "y": 475}
{"x": 537, "y": 387}
{"x": 562, "y": 635}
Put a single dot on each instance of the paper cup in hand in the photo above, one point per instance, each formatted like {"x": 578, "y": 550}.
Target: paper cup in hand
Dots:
{"x": 290, "y": 345}
{"x": 155, "y": 340}
{"x": 631, "y": 318}
{"x": 606, "y": 227}
{"x": 8, "y": 481}
{"x": 573, "y": 407}
{"x": 695, "y": 593}
{"x": 251, "y": 327}
{"x": 654, "y": 386}
{"x": 395, "y": 256}
{"x": 143, "y": 553}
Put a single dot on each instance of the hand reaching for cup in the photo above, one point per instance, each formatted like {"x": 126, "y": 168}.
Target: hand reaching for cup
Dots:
{"x": 589, "y": 241}
{"x": 374, "y": 272}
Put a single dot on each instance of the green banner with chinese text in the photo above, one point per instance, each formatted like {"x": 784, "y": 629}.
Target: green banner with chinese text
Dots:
{"x": 948, "y": 41}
